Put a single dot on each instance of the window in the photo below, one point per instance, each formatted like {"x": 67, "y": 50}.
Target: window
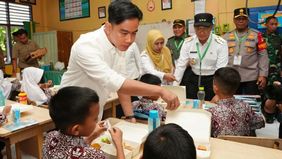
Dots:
{"x": 12, "y": 16}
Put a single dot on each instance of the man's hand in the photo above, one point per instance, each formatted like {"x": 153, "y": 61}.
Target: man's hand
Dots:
{"x": 171, "y": 99}
{"x": 261, "y": 82}
{"x": 169, "y": 77}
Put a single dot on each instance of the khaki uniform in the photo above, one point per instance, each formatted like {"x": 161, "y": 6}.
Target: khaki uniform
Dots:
{"x": 22, "y": 52}
{"x": 252, "y": 49}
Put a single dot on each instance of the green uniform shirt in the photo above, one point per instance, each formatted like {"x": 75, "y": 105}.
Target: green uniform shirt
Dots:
{"x": 274, "y": 42}
{"x": 174, "y": 44}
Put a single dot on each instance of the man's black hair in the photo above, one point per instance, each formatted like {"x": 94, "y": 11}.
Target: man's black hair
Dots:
{"x": 71, "y": 105}
{"x": 21, "y": 32}
{"x": 150, "y": 79}
{"x": 121, "y": 10}
{"x": 169, "y": 141}
{"x": 228, "y": 79}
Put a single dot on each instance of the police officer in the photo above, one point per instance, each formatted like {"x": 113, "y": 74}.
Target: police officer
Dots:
{"x": 175, "y": 42}
{"x": 247, "y": 54}
{"x": 273, "y": 99}
{"x": 204, "y": 53}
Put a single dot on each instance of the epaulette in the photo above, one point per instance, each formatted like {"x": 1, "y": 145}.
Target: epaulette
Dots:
{"x": 189, "y": 39}
{"x": 219, "y": 39}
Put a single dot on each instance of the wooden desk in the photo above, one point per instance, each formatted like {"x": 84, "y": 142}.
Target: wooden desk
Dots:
{"x": 34, "y": 132}
{"x": 222, "y": 149}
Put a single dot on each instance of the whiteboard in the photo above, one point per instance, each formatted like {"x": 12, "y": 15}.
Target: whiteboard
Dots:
{"x": 141, "y": 37}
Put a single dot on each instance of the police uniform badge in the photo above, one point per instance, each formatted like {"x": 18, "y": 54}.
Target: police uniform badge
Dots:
{"x": 192, "y": 61}
{"x": 231, "y": 51}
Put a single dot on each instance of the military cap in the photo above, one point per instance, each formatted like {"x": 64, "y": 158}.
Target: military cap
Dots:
{"x": 241, "y": 12}
{"x": 203, "y": 19}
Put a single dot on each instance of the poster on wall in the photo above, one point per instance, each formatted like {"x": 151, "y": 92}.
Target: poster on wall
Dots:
{"x": 74, "y": 9}
{"x": 263, "y": 15}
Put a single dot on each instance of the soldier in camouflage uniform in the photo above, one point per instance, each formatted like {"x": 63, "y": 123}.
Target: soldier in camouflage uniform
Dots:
{"x": 247, "y": 54}
{"x": 175, "y": 42}
{"x": 273, "y": 92}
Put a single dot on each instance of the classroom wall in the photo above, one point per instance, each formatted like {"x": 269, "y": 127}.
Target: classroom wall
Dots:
{"x": 46, "y": 13}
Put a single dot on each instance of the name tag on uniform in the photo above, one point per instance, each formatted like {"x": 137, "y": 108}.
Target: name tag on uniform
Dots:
{"x": 193, "y": 52}
{"x": 237, "y": 60}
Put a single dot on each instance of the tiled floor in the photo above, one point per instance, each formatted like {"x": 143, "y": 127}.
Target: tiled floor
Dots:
{"x": 270, "y": 130}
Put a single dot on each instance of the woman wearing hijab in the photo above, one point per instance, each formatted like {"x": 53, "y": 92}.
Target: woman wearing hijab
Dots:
{"x": 30, "y": 85}
{"x": 156, "y": 58}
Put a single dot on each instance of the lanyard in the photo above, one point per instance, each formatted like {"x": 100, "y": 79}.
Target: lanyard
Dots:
{"x": 201, "y": 57}
{"x": 240, "y": 39}
{"x": 179, "y": 44}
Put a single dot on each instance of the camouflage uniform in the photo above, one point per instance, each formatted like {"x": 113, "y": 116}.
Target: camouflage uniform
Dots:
{"x": 274, "y": 42}
{"x": 174, "y": 44}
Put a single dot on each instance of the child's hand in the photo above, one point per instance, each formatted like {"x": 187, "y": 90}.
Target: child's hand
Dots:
{"x": 100, "y": 128}
{"x": 116, "y": 134}
{"x": 6, "y": 110}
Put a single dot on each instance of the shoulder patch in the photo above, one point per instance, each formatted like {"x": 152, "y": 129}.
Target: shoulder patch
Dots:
{"x": 219, "y": 39}
{"x": 189, "y": 39}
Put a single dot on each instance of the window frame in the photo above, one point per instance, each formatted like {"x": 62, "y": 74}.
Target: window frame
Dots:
{"x": 9, "y": 45}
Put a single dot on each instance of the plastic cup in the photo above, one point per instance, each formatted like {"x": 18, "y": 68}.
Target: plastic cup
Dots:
{"x": 196, "y": 103}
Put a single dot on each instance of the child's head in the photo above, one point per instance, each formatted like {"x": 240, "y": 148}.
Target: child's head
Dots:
{"x": 169, "y": 141}
{"x": 75, "y": 110}
{"x": 226, "y": 81}
{"x": 151, "y": 79}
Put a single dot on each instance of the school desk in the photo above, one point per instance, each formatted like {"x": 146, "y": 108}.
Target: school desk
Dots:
{"x": 33, "y": 132}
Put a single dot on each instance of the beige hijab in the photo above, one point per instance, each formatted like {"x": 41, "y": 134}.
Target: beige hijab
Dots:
{"x": 162, "y": 60}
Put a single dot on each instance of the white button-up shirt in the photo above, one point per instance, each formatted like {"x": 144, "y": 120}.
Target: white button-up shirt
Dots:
{"x": 93, "y": 61}
{"x": 216, "y": 56}
{"x": 133, "y": 59}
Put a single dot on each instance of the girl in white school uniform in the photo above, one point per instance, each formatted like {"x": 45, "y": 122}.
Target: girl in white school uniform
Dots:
{"x": 39, "y": 93}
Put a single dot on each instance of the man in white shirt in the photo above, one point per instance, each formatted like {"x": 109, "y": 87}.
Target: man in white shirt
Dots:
{"x": 95, "y": 55}
{"x": 204, "y": 52}
{"x": 132, "y": 61}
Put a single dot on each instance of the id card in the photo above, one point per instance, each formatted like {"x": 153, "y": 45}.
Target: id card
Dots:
{"x": 237, "y": 60}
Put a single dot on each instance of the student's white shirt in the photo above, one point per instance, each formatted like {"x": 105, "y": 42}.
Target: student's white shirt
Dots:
{"x": 216, "y": 56}
{"x": 5, "y": 85}
{"x": 94, "y": 63}
{"x": 133, "y": 62}
{"x": 31, "y": 78}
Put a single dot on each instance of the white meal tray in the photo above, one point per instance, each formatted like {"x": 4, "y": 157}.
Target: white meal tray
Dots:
{"x": 134, "y": 135}
{"x": 198, "y": 124}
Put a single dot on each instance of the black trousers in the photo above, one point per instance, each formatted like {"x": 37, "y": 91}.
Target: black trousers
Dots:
{"x": 190, "y": 81}
{"x": 280, "y": 130}
{"x": 249, "y": 88}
